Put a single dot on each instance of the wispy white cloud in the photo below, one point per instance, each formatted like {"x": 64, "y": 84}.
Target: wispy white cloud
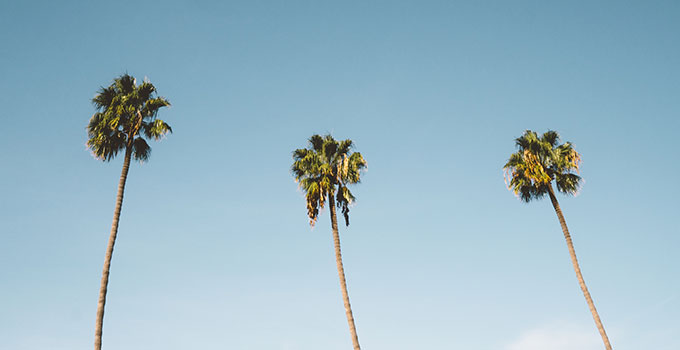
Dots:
{"x": 557, "y": 337}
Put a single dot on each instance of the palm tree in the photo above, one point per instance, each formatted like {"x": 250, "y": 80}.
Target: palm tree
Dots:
{"x": 323, "y": 171}
{"x": 126, "y": 112}
{"x": 531, "y": 171}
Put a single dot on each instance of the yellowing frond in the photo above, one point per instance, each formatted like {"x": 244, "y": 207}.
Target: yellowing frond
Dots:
{"x": 533, "y": 169}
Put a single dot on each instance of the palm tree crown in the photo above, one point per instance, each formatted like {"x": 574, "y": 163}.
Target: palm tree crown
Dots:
{"x": 125, "y": 112}
{"x": 322, "y": 167}
{"x": 539, "y": 161}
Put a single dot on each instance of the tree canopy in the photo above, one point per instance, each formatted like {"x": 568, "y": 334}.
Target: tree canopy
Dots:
{"x": 125, "y": 113}
{"x": 540, "y": 160}
{"x": 325, "y": 165}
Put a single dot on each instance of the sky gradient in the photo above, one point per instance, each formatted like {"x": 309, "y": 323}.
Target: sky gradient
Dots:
{"x": 214, "y": 249}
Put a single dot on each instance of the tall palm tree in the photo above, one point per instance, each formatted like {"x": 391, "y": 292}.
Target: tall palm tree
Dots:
{"x": 323, "y": 171}
{"x": 126, "y": 112}
{"x": 531, "y": 171}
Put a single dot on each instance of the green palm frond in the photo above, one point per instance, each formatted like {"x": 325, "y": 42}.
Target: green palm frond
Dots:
{"x": 105, "y": 140}
{"x": 144, "y": 91}
{"x": 152, "y": 106}
{"x": 323, "y": 172}
{"x": 125, "y": 84}
{"x": 344, "y": 147}
{"x": 568, "y": 183}
{"x": 343, "y": 199}
{"x": 125, "y": 113}
{"x": 140, "y": 150}
{"x": 356, "y": 163}
{"x": 105, "y": 97}
{"x": 551, "y": 137}
{"x": 156, "y": 129}
{"x": 539, "y": 161}
{"x": 316, "y": 142}
{"x": 329, "y": 150}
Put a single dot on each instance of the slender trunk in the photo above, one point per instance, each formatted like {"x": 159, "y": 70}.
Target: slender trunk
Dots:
{"x": 109, "y": 251}
{"x": 341, "y": 273}
{"x": 577, "y": 269}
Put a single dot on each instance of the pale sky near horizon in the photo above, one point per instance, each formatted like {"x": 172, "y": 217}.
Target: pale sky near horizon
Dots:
{"x": 214, "y": 248}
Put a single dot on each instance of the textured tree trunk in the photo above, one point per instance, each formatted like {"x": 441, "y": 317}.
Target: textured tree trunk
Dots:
{"x": 577, "y": 269}
{"x": 109, "y": 251}
{"x": 341, "y": 273}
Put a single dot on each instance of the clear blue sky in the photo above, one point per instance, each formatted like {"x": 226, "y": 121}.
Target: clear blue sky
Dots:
{"x": 214, "y": 249}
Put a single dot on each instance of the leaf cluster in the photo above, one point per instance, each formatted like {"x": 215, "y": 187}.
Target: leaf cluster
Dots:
{"x": 126, "y": 112}
{"x": 540, "y": 160}
{"x": 324, "y": 170}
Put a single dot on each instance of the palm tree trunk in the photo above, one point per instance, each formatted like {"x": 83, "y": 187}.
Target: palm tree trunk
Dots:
{"x": 341, "y": 273}
{"x": 109, "y": 252}
{"x": 574, "y": 262}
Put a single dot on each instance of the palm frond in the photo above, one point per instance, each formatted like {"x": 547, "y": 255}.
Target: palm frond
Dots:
{"x": 140, "y": 150}
{"x": 151, "y": 106}
{"x": 125, "y": 84}
{"x": 344, "y": 199}
{"x": 344, "y": 147}
{"x": 316, "y": 142}
{"x": 329, "y": 148}
{"x": 568, "y": 183}
{"x": 355, "y": 164}
{"x": 104, "y": 97}
{"x": 145, "y": 90}
{"x": 156, "y": 129}
{"x": 551, "y": 137}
